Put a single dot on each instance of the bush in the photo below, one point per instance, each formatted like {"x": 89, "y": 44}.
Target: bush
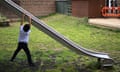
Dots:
{"x": 4, "y": 21}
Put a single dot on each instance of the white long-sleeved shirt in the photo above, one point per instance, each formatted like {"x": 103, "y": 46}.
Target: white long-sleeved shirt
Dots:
{"x": 23, "y": 36}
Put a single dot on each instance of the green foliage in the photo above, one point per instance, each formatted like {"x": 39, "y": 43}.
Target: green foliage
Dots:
{"x": 50, "y": 56}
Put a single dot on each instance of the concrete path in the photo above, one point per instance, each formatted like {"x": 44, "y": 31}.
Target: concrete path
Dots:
{"x": 111, "y": 23}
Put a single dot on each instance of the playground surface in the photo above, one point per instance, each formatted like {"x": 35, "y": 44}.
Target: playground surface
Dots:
{"x": 63, "y": 40}
{"x": 111, "y": 23}
{"x": 59, "y": 37}
{"x": 50, "y": 56}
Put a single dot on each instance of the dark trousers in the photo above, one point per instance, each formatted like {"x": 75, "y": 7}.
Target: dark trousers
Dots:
{"x": 24, "y": 46}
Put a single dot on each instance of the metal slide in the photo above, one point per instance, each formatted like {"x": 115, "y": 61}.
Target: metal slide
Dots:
{"x": 102, "y": 57}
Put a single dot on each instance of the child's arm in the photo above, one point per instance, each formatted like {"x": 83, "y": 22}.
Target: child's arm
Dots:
{"x": 22, "y": 20}
{"x": 30, "y": 21}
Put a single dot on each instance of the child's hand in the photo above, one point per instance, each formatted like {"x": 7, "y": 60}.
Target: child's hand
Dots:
{"x": 29, "y": 17}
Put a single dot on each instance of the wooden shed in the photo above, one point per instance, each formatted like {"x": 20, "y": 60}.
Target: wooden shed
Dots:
{"x": 87, "y": 8}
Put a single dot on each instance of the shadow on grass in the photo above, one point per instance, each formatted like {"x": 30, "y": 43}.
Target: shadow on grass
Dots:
{"x": 51, "y": 65}
{"x": 7, "y": 66}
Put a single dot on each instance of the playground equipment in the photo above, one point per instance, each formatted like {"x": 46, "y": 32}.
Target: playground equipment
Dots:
{"x": 103, "y": 58}
{"x": 111, "y": 9}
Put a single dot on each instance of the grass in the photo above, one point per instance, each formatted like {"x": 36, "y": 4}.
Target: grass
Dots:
{"x": 50, "y": 56}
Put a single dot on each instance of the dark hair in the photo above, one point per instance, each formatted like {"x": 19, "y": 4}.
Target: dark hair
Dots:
{"x": 26, "y": 27}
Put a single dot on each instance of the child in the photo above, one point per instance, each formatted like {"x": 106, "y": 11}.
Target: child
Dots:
{"x": 23, "y": 40}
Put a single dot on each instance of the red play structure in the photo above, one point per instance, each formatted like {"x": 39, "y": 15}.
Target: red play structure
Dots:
{"x": 111, "y": 9}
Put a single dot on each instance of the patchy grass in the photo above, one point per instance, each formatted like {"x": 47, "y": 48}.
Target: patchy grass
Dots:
{"x": 50, "y": 56}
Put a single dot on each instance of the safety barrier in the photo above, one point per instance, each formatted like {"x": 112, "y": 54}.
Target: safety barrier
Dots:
{"x": 111, "y": 11}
